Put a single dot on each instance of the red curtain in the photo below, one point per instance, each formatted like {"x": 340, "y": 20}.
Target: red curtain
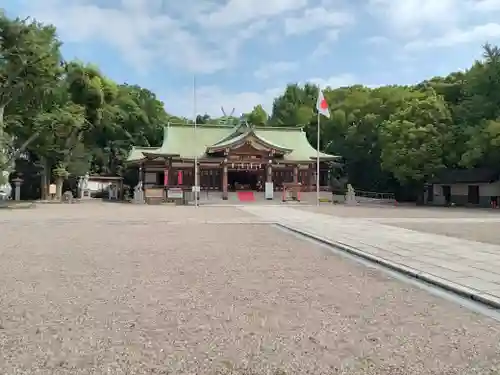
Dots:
{"x": 179, "y": 177}
{"x": 165, "y": 178}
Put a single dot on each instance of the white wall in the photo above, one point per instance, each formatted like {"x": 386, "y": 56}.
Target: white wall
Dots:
{"x": 490, "y": 190}
{"x": 98, "y": 185}
{"x": 438, "y": 198}
{"x": 485, "y": 190}
{"x": 95, "y": 186}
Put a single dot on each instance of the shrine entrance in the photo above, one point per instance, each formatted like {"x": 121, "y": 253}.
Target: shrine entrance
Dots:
{"x": 245, "y": 179}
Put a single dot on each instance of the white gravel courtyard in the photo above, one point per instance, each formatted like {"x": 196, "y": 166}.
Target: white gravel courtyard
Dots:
{"x": 125, "y": 289}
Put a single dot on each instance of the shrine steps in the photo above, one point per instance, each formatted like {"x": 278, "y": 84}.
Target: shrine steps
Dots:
{"x": 246, "y": 196}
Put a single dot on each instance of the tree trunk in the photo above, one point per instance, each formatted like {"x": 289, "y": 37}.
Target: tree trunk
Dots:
{"x": 44, "y": 179}
{"x": 3, "y": 149}
{"x": 59, "y": 187}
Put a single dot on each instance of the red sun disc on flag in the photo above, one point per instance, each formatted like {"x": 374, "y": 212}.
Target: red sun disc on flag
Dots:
{"x": 323, "y": 104}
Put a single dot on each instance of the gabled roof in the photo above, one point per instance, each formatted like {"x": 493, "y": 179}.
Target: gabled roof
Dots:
{"x": 294, "y": 139}
{"x": 238, "y": 139}
{"x": 184, "y": 141}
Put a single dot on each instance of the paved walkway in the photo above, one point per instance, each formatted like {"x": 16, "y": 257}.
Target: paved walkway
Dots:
{"x": 466, "y": 267}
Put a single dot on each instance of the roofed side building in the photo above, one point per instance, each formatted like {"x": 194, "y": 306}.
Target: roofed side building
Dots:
{"x": 230, "y": 157}
{"x": 465, "y": 187}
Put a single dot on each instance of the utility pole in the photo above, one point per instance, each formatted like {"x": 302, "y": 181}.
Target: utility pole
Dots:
{"x": 196, "y": 182}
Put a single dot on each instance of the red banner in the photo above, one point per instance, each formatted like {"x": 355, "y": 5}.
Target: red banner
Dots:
{"x": 165, "y": 178}
{"x": 179, "y": 177}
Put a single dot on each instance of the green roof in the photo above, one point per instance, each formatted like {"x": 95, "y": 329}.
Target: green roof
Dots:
{"x": 182, "y": 140}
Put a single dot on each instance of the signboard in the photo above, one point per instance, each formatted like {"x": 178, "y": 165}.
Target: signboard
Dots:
{"x": 175, "y": 193}
{"x": 246, "y": 166}
{"x": 195, "y": 189}
{"x": 52, "y": 188}
{"x": 269, "y": 190}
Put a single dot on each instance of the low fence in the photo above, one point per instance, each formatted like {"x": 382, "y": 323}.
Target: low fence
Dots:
{"x": 339, "y": 196}
{"x": 375, "y": 197}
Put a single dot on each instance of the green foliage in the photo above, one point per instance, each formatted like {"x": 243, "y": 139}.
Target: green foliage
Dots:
{"x": 29, "y": 70}
{"x": 258, "y": 116}
{"x": 68, "y": 118}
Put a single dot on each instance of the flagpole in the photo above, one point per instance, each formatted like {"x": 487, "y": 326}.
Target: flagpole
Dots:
{"x": 317, "y": 162}
{"x": 196, "y": 182}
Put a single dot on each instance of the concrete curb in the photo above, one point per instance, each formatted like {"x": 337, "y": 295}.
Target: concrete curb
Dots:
{"x": 18, "y": 206}
{"x": 458, "y": 289}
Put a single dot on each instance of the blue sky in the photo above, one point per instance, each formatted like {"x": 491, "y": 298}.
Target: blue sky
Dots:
{"x": 243, "y": 52}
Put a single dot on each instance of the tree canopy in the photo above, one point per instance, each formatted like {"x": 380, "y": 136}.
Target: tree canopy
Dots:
{"x": 66, "y": 118}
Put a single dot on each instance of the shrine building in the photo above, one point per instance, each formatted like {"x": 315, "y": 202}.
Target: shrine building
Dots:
{"x": 230, "y": 158}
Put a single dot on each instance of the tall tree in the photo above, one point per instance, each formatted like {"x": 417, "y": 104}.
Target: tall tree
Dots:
{"x": 29, "y": 69}
{"x": 416, "y": 139}
{"x": 258, "y": 116}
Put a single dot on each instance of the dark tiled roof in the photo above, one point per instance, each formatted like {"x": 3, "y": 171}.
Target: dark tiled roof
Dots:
{"x": 463, "y": 176}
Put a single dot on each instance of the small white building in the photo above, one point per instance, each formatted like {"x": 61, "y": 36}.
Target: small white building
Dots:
{"x": 109, "y": 187}
{"x": 477, "y": 187}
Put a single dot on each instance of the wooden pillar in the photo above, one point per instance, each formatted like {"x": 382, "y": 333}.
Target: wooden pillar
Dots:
{"x": 295, "y": 174}
{"x": 167, "y": 180}
{"x": 196, "y": 174}
{"x": 312, "y": 168}
{"x": 172, "y": 178}
{"x": 198, "y": 177}
{"x": 224, "y": 182}
{"x": 142, "y": 173}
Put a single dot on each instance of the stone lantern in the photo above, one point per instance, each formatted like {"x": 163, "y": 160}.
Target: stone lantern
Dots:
{"x": 17, "y": 188}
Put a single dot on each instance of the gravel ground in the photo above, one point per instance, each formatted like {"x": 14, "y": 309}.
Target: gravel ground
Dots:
{"x": 102, "y": 289}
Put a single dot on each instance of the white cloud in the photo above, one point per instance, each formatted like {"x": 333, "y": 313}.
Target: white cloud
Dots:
{"x": 238, "y": 12}
{"x": 377, "y": 40}
{"x": 209, "y": 99}
{"x": 144, "y": 34}
{"x": 325, "y": 46}
{"x": 485, "y": 5}
{"x": 275, "y": 69}
{"x": 409, "y": 18}
{"x": 475, "y": 34}
{"x": 341, "y": 80}
{"x": 316, "y": 19}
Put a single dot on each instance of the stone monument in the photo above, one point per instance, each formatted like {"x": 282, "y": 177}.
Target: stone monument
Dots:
{"x": 67, "y": 197}
{"x": 112, "y": 192}
{"x": 350, "y": 197}
{"x": 138, "y": 193}
{"x": 5, "y": 189}
{"x": 83, "y": 187}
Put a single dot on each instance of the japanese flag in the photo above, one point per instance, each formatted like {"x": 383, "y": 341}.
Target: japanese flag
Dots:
{"x": 322, "y": 105}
